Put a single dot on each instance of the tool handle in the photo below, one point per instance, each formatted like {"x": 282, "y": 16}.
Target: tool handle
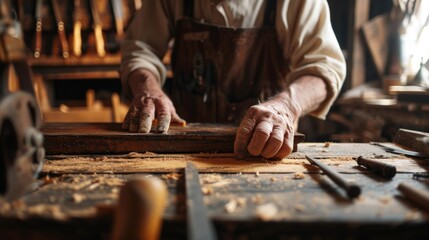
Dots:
{"x": 140, "y": 209}
{"x": 352, "y": 190}
{"x": 63, "y": 40}
{"x": 77, "y": 38}
{"x": 383, "y": 169}
{"x": 38, "y": 43}
{"x": 99, "y": 40}
{"x": 418, "y": 196}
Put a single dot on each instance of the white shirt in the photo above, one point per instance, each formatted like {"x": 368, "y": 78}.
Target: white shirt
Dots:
{"x": 303, "y": 27}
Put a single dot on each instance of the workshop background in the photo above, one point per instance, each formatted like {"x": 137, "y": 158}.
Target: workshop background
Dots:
{"x": 84, "y": 86}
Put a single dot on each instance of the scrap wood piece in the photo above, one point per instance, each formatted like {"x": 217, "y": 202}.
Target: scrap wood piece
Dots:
{"x": 414, "y": 140}
{"x": 109, "y": 138}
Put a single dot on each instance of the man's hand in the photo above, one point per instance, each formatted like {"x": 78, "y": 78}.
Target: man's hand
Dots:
{"x": 149, "y": 102}
{"x": 267, "y": 130}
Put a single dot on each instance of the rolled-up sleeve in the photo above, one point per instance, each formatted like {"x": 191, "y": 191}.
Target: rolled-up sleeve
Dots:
{"x": 310, "y": 45}
{"x": 146, "y": 41}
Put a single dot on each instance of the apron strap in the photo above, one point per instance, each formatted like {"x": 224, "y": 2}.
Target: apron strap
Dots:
{"x": 269, "y": 15}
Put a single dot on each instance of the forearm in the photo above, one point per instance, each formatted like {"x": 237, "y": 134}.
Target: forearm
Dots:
{"x": 304, "y": 95}
{"x": 142, "y": 80}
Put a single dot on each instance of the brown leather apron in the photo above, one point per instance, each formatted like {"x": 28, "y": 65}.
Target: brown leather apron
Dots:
{"x": 219, "y": 72}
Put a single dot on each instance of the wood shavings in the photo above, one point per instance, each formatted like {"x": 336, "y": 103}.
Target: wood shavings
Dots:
{"x": 327, "y": 144}
{"x": 100, "y": 158}
{"x": 78, "y": 198}
{"x": 273, "y": 179}
{"x": 93, "y": 186}
{"x": 171, "y": 176}
{"x": 211, "y": 178}
{"x": 299, "y": 207}
{"x": 298, "y": 175}
{"x": 385, "y": 200}
{"x": 241, "y": 202}
{"x": 412, "y": 215}
{"x": 231, "y": 206}
{"x": 50, "y": 210}
{"x": 257, "y": 174}
{"x": 207, "y": 190}
{"x": 257, "y": 199}
{"x": 267, "y": 211}
{"x": 48, "y": 180}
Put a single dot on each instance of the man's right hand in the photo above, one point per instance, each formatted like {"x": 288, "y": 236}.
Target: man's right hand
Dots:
{"x": 149, "y": 102}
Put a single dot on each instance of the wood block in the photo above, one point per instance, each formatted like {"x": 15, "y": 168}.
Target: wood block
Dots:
{"x": 413, "y": 140}
{"x": 109, "y": 138}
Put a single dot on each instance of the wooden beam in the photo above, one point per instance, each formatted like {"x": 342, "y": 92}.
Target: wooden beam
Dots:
{"x": 109, "y": 138}
{"x": 356, "y": 71}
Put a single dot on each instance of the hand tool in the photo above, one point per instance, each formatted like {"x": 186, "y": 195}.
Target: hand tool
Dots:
{"x": 352, "y": 190}
{"x": 400, "y": 150}
{"x": 384, "y": 169}
{"x": 418, "y": 196}
{"x": 198, "y": 222}
{"x": 140, "y": 209}
{"x": 39, "y": 25}
{"x": 21, "y": 143}
{"x": 60, "y": 28}
{"x": 420, "y": 175}
{"x": 77, "y": 28}
{"x": 98, "y": 29}
{"x": 119, "y": 17}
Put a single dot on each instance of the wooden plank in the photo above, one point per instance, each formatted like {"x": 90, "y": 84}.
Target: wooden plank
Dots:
{"x": 413, "y": 140}
{"x": 227, "y": 163}
{"x": 376, "y": 34}
{"x": 109, "y": 138}
{"x": 359, "y": 13}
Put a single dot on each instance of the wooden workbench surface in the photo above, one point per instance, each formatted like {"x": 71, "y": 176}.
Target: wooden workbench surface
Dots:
{"x": 75, "y": 198}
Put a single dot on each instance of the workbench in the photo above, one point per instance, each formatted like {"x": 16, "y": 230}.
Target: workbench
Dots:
{"x": 253, "y": 198}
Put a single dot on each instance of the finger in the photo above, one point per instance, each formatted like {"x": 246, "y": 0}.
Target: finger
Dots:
{"x": 274, "y": 143}
{"x": 260, "y": 137}
{"x": 134, "y": 118}
{"x": 176, "y": 119}
{"x": 286, "y": 147}
{"x": 147, "y": 115}
{"x": 244, "y": 133}
{"x": 126, "y": 123}
{"x": 163, "y": 115}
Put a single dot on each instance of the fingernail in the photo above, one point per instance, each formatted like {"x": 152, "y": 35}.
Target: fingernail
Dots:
{"x": 161, "y": 129}
{"x": 143, "y": 130}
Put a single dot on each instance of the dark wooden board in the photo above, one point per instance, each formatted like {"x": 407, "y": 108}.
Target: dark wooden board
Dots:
{"x": 109, "y": 138}
{"x": 312, "y": 202}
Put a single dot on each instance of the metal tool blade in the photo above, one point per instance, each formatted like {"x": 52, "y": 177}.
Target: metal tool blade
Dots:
{"x": 198, "y": 222}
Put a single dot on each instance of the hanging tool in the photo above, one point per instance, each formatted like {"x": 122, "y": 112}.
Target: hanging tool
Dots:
{"x": 39, "y": 25}
{"x": 198, "y": 222}
{"x": 77, "y": 27}
{"x": 60, "y": 28}
{"x": 383, "y": 169}
{"x": 352, "y": 190}
{"x": 21, "y": 143}
{"x": 140, "y": 209}
{"x": 98, "y": 29}
{"x": 119, "y": 17}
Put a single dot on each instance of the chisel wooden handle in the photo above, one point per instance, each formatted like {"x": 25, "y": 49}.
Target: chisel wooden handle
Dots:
{"x": 140, "y": 209}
